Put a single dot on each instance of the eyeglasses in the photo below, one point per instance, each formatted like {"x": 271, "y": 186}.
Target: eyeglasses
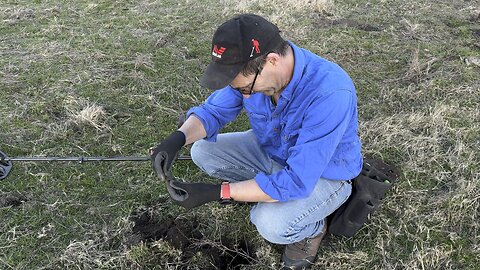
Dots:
{"x": 249, "y": 91}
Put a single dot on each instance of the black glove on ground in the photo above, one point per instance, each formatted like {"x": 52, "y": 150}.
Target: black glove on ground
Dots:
{"x": 166, "y": 152}
{"x": 191, "y": 195}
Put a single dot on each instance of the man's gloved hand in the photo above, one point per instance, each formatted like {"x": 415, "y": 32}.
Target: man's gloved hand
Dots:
{"x": 191, "y": 195}
{"x": 165, "y": 153}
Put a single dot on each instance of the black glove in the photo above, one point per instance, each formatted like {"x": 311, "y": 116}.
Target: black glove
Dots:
{"x": 165, "y": 153}
{"x": 190, "y": 195}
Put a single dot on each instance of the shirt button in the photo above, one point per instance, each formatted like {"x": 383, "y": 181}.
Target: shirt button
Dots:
{"x": 274, "y": 116}
{"x": 275, "y": 129}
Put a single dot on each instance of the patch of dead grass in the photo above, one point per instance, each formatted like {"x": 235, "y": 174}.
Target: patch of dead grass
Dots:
{"x": 244, "y": 6}
{"x": 82, "y": 112}
{"x": 418, "y": 69}
{"x": 287, "y": 15}
{"x": 437, "y": 257}
{"x": 144, "y": 61}
{"x": 437, "y": 152}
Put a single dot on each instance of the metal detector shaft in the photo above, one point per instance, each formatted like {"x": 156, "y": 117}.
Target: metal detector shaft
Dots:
{"x": 83, "y": 159}
{"x": 6, "y": 162}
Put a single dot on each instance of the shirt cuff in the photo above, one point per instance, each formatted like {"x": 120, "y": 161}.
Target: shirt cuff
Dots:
{"x": 267, "y": 185}
{"x": 201, "y": 115}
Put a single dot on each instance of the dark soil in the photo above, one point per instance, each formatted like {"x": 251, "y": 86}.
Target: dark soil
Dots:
{"x": 183, "y": 234}
{"x": 11, "y": 199}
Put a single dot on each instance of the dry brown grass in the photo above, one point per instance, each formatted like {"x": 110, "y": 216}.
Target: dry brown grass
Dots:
{"x": 112, "y": 76}
{"x": 82, "y": 112}
{"x": 287, "y": 14}
{"x": 287, "y": 6}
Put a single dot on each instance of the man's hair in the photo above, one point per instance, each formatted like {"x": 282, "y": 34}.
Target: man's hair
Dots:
{"x": 257, "y": 64}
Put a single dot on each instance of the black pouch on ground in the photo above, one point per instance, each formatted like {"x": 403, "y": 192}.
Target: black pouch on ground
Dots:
{"x": 368, "y": 191}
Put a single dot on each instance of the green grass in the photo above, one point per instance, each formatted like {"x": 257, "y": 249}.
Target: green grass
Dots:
{"x": 139, "y": 64}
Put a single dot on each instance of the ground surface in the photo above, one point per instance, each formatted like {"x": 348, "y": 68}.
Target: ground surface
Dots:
{"x": 110, "y": 77}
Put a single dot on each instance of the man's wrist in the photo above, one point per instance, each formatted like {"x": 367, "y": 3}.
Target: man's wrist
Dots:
{"x": 225, "y": 196}
{"x": 225, "y": 191}
{"x": 177, "y": 139}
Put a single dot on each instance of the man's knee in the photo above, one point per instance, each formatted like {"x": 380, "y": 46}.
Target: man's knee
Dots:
{"x": 205, "y": 155}
{"x": 273, "y": 229}
{"x": 197, "y": 151}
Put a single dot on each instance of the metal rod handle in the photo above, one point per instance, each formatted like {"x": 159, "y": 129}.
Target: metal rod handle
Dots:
{"x": 84, "y": 159}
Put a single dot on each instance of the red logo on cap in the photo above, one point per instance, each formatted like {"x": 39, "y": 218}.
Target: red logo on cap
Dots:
{"x": 217, "y": 52}
{"x": 256, "y": 46}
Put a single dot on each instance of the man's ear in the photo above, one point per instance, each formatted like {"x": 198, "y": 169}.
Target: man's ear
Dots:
{"x": 273, "y": 58}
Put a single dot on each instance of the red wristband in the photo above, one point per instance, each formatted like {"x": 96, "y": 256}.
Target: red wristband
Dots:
{"x": 225, "y": 191}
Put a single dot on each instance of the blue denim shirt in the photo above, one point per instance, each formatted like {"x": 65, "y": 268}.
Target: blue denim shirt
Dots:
{"x": 313, "y": 130}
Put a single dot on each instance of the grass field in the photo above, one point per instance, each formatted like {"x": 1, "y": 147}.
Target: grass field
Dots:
{"x": 106, "y": 78}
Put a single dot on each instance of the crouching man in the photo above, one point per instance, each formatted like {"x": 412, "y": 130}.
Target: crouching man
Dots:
{"x": 301, "y": 151}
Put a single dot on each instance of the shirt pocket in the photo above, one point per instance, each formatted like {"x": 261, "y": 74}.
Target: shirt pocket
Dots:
{"x": 258, "y": 123}
{"x": 288, "y": 139}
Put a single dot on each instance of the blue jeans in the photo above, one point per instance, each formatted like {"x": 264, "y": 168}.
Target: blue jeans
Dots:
{"x": 238, "y": 156}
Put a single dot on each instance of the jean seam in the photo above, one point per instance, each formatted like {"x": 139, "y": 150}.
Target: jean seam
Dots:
{"x": 214, "y": 172}
{"x": 313, "y": 209}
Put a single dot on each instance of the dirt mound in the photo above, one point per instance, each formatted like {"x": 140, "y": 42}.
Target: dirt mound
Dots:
{"x": 11, "y": 199}
{"x": 183, "y": 234}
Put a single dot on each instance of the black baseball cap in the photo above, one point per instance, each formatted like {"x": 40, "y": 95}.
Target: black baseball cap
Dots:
{"x": 236, "y": 42}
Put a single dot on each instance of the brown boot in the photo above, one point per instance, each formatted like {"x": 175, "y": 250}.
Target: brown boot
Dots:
{"x": 301, "y": 255}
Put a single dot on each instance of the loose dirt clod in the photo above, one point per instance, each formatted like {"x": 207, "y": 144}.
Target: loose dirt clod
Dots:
{"x": 183, "y": 234}
{"x": 12, "y": 199}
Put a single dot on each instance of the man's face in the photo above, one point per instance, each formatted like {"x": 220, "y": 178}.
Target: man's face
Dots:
{"x": 263, "y": 82}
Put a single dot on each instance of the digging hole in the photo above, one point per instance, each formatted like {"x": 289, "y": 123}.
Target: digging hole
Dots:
{"x": 183, "y": 234}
